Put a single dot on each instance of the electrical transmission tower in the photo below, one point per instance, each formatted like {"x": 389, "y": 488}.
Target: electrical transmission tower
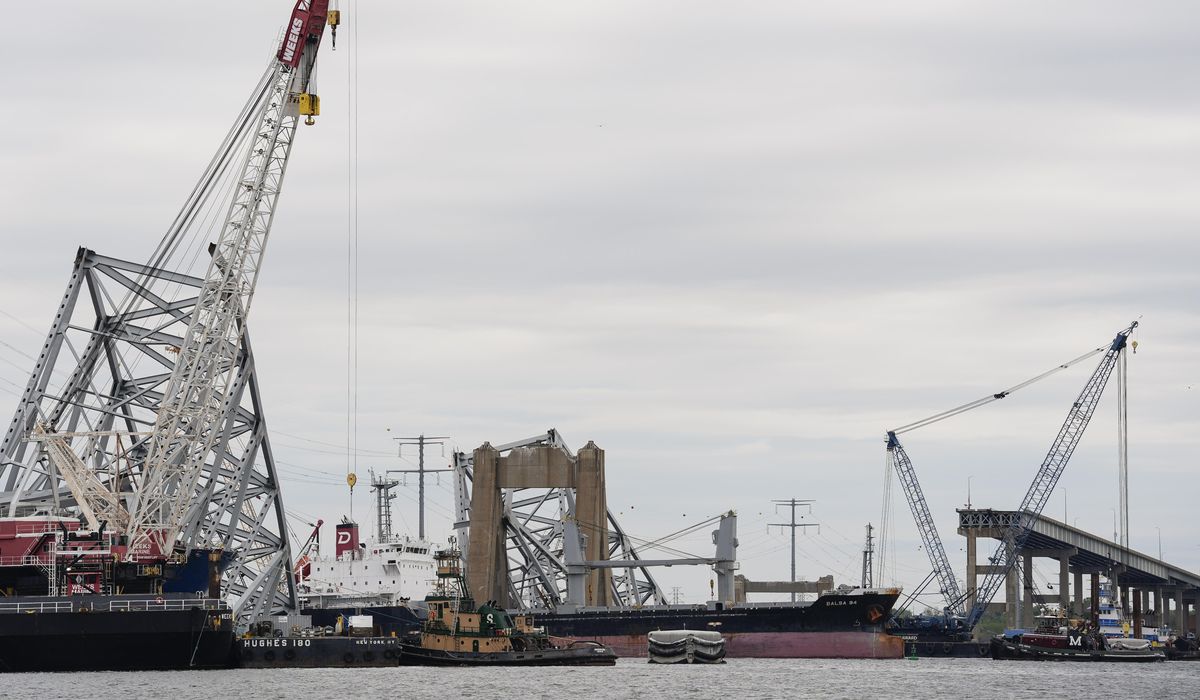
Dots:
{"x": 420, "y": 441}
{"x": 793, "y": 503}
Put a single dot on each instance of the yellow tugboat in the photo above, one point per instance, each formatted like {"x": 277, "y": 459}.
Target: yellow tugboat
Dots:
{"x": 459, "y": 633}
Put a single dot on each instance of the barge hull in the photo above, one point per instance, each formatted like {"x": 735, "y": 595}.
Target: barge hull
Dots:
{"x": 781, "y": 645}
{"x": 115, "y": 641}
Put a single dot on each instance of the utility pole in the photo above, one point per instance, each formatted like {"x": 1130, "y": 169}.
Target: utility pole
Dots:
{"x": 420, "y": 441}
{"x": 868, "y": 577}
{"x": 793, "y": 503}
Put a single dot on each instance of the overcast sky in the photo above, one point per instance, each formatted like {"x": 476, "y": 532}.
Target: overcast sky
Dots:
{"x": 731, "y": 243}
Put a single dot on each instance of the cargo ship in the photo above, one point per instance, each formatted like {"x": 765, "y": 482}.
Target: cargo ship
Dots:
{"x": 388, "y": 578}
{"x": 844, "y": 623}
{"x": 70, "y": 602}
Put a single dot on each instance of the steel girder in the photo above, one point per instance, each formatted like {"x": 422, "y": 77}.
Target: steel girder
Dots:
{"x": 101, "y": 373}
{"x": 533, "y": 525}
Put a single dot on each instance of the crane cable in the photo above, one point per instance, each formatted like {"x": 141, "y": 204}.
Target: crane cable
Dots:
{"x": 352, "y": 259}
{"x": 885, "y": 538}
{"x": 994, "y": 397}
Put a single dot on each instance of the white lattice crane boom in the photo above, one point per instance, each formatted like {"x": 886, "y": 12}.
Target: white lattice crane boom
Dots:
{"x": 195, "y": 405}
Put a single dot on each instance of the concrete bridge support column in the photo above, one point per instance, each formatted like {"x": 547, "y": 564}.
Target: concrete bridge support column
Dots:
{"x": 1094, "y": 612}
{"x": 1064, "y": 583}
{"x": 1180, "y": 612}
{"x": 1144, "y": 597}
{"x": 1079, "y": 596}
{"x": 972, "y": 575}
{"x": 1027, "y": 593}
{"x": 1160, "y": 607}
{"x": 1012, "y": 599}
{"x": 1137, "y": 615}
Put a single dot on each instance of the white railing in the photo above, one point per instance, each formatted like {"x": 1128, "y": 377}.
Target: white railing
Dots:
{"x": 166, "y": 604}
{"x": 148, "y": 604}
{"x": 42, "y": 527}
{"x": 44, "y": 607}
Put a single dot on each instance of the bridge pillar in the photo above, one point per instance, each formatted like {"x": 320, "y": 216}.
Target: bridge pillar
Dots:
{"x": 1180, "y": 612}
{"x": 1027, "y": 593}
{"x": 1095, "y": 611}
{"x": 1012, "y": 599}
{"x": 972, "y": 575}
{"x": 1124, "y": 589}
{"x": 1160, "y": 607}
{"x": 1078, "y": 610}
{"x": 1144, "y": 597}
{"x": 1064, "y": 591}
{"x": 1137, "y": 615}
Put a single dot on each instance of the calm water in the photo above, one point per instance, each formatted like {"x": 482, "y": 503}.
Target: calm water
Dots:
{"x": 738, "y": 679}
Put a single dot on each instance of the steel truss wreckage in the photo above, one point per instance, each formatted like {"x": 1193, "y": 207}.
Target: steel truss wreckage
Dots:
{"x": 535, "y": 520}
{"x": 99, "y": 378}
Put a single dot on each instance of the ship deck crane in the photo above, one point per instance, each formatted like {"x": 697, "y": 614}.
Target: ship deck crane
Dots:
{"x": 915, "y": 496}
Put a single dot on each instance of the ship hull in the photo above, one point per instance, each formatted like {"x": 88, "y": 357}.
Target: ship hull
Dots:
{"x": 579, "y": 655}
{"x": 318, "y": 652}
{"x": 833, "y": 627}
{"x": 136, "y": 640}
{"x": 781, "y": 645}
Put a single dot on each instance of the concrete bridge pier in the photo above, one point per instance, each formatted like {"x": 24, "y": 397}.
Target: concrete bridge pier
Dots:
{"x": 1027, "y": 592}
{"x": 1180, "y": 612}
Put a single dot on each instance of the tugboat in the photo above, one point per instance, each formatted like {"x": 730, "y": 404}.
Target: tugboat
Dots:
{"x": 1055, "y": 639}
{"x": 458, "y": 633}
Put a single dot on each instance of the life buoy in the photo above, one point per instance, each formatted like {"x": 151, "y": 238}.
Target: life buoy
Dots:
{"x": 983, "y": 651}
{"x": 929, "y": 649}
{"x": 947, "y": 648}
{"x": 348, "y": 658}
{"x": 158, "y": 600}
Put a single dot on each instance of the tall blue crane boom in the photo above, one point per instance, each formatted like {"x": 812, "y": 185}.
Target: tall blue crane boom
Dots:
{"x": 1047, "y": 476}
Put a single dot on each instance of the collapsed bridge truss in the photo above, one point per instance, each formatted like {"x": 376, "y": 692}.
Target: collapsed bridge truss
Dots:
{"x": 98, "y": 382}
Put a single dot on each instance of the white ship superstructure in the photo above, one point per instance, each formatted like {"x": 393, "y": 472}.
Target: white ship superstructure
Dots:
{"x": 389, "y": 571}
{"x": 1113, "y": 622}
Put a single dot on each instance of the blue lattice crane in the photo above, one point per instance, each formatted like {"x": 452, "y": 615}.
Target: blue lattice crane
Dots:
{"x": 1043, "y": 486}
{"x": 1047, "y": 476}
